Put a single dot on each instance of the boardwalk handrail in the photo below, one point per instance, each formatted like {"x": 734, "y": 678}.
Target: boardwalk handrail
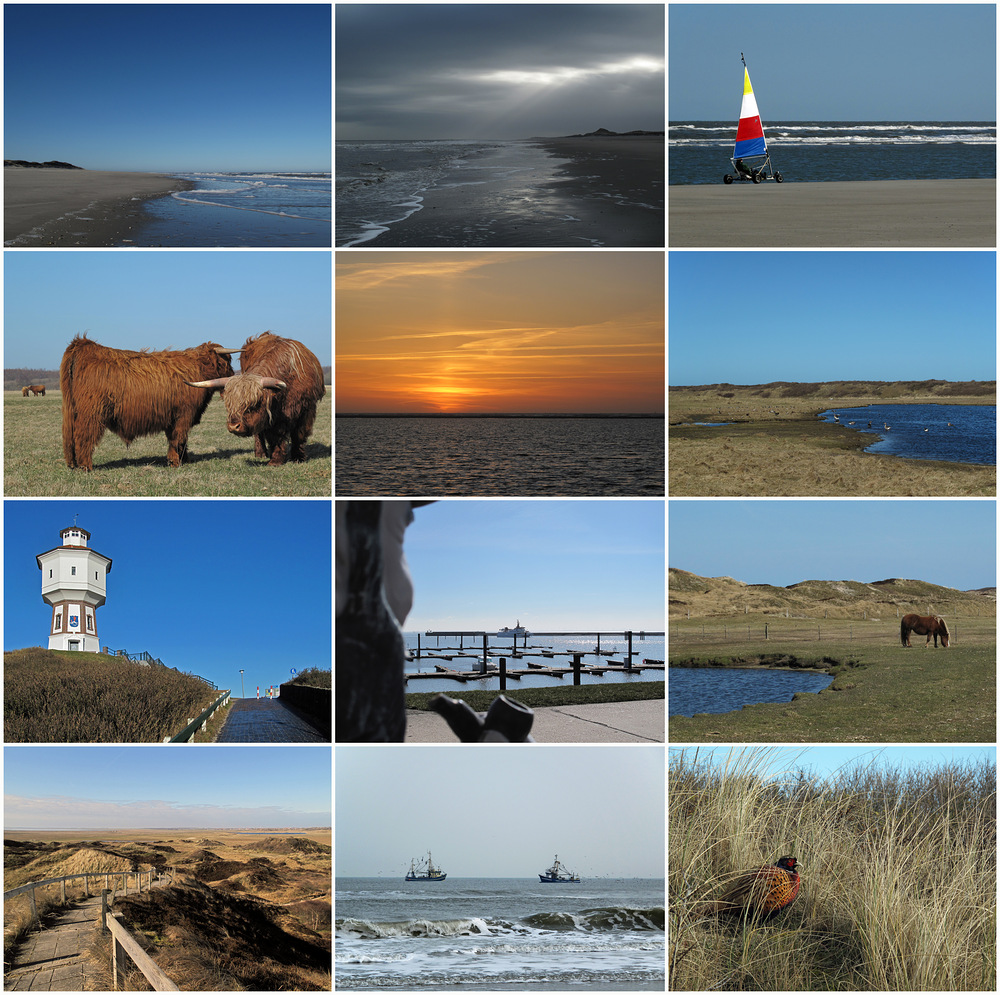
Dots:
{"x": 30, "y": 887}
{"x": 186, "y": 735}
{"x": 123, "y": 942}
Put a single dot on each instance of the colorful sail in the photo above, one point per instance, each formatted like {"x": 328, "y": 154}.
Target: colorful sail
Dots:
{"x": 749, "y": 132}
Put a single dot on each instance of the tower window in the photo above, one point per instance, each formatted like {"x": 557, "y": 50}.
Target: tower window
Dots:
{"x": 57, "y": 625}
{"x": 72, "y": 571}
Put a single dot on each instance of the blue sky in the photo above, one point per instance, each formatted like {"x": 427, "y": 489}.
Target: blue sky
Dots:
{"x": 169, "y": 87}
{"x": 833, "y": 62}
{"x": 208, "y": 587}
{"x": 599, "y": 808}
{"x": 555, "y": 565}
{"x": 952, "y": 543}
{"x": 823, "y": 761}
{"x": 161, "y": 300}
{"x": 132, "y": 787}
{"x": 757, "y": 317}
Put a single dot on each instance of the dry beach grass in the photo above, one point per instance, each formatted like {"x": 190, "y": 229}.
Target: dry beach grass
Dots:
{"x": 898, "y": 875}
{"x": 775, "y": 446}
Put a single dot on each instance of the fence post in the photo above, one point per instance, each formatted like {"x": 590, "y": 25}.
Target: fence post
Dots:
{"x": 34, "y": 907}
{"x": 765, "y": 630}
{"x": 63, "y": 883}
{"x": 104, "y": 910}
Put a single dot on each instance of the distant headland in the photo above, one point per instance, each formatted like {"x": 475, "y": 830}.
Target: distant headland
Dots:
{"x": 54, "y": 164}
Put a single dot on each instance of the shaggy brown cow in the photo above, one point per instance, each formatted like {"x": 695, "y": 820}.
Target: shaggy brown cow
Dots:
{"x": 37, "y": 388}
{"x": 273, "y": 397}
{"x": 132, "y": 394}
{"x": 25, "y": 391}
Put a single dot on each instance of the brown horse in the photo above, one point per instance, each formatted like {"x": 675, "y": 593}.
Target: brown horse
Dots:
{"x": 924, "y": 625}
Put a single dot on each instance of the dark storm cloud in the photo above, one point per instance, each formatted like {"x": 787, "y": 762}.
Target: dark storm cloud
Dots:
{"x": 497, "y": 70}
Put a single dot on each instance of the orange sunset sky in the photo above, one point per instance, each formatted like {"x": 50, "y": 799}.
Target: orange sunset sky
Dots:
{"x": 505, "y": 332}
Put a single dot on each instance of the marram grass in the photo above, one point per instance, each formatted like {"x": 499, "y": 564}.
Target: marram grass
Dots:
{"x": 898, "y": 875}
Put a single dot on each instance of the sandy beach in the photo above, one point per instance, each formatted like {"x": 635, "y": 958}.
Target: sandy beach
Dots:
{"x": 77, "y": 207}
{"x": 608, "y": 192}
{"x": 887, "y": 213}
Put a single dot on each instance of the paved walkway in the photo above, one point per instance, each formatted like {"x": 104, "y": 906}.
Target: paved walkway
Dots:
{"x": 613, "y": 722}
{"x": 266, "y": 720}
{"x": 54, "y": 959}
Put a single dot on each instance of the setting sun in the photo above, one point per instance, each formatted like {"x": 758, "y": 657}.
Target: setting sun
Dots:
{"x": 501, "y": 332}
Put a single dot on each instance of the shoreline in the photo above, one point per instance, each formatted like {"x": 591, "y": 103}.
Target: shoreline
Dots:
{"x": 88, "y": 208}
{"x": 843, "y": 214}
{"x": 608, "y": 193}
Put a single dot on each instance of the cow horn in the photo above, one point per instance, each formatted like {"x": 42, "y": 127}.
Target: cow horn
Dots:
{"x": 219, "y": 382}
{"x": 271, "y": 382}
{"x": 222, "y": 351}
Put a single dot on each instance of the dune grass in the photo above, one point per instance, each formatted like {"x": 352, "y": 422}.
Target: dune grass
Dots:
{"x": 898, "y": 876}
{"x": 95, "y": 698}
{"x": 773, "y": 444}
{"x": 220, "y": 464}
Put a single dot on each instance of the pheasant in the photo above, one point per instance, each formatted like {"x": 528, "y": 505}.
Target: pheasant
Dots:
{"x": 759, "y": 894}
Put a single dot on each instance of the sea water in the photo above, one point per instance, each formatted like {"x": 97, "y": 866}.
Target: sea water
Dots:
{"x": 597, "y": 456}
{"x": 700, "y": 151}
{"x": 233, "y": 209}
{"x": 723, "y": 689}
{"x": 613, "y": 650}
{"x": 958, "y": 433}
{"x": 499, "y": 933}
{"x": 380, "y": 183}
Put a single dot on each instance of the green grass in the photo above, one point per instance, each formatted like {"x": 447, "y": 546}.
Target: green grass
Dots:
{"x": 584, "y": 694}
{"x": 898, "y": 872}
{"x": 220, "y": 464}
{"x": 882, "y": 692}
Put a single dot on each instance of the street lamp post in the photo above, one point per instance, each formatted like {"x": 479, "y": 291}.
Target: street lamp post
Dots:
{"x": 242, "y": 695}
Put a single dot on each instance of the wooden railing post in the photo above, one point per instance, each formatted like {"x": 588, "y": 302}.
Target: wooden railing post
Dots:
{"x": 104, "y": 910}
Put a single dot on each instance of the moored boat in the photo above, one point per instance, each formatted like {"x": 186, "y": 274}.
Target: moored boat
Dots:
{"x": 508, "y": 632}
{"x": 557, "y": 874}
{"x": 425, "y": 871}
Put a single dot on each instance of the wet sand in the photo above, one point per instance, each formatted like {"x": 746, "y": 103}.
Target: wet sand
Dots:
{"x": 77, "y": 207}
{"x": 895, "y": 213}
{"x": 607, "y": 192}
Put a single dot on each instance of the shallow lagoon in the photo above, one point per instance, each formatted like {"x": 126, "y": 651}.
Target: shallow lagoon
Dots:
{"x": 692, "y": 690}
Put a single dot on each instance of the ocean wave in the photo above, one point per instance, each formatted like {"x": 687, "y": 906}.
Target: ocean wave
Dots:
{"x": 367, "y": 929}
{"x": 595, "y": 920}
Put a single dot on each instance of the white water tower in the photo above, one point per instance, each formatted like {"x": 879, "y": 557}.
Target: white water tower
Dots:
{"x": 74, "y": 583}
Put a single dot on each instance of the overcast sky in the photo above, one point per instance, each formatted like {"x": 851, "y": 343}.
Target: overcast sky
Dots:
{"x": 147, "y": 787}
{"x": 500, "y": 812}
{"x": 783, "y": 542}
{"x": 497, "y": 70}
{"x": 834, "y": 62}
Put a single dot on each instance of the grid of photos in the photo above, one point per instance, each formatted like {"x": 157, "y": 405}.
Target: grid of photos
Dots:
{"x": 167, "y": 480}
{"x": 832, "y": 498}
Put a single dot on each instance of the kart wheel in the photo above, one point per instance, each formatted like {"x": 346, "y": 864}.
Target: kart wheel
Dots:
{"x": 756, "y": 177}
{"x": 727, "y": 179}
{"x": 778, "y": 177}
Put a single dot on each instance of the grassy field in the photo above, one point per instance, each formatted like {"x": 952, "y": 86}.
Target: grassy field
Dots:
{"x": 220, "y": 464}
{"x": 246, "y": 912}
{"x": 882, "y": 691}
{"x": 54, "y": 697}
{"x": 584, "y": 694}
{"x": 775, "y": 446}
{"x": 898, "y": 874}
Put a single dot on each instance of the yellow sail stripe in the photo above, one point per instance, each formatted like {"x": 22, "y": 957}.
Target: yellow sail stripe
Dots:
{"x": 747, "y": 88}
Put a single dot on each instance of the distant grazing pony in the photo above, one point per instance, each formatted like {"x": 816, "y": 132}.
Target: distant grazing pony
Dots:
{"x": 924, "y": 625}
{"x": 37, "y": 388}
{"x": 25, "y": 391}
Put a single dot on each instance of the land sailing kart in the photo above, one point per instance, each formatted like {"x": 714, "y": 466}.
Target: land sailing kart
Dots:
{"x": 751, "y": 160}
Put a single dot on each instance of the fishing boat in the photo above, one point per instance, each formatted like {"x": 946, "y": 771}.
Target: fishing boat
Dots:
{"x": 751, "y": 160}
{"x": 425, "y": 871}
{"x": 507, "y": 632}
{"x": 557, "y": 874}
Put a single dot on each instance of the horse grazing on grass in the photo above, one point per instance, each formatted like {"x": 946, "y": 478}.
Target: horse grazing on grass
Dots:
{"x": 924, "y": 625}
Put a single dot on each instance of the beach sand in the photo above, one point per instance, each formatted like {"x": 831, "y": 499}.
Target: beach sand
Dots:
{"x": 609, "y": 192}
{"x": 77, "y": 207}
{"x": 896, "y": 213}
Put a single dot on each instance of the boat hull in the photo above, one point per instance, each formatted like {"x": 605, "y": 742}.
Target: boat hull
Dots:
{"x": 545, "y": 879}
{"x": 415, "y": 877}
